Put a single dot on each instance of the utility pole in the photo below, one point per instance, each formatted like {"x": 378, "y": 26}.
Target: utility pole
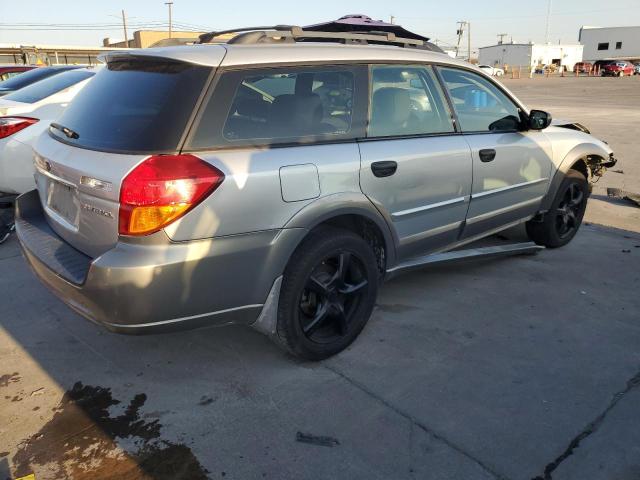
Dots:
{"x": 392, "y": 18}
{"x": 546, "y": 36}
{"x": 501, "y": 38}
{"x": 460, "y": 31}
{"x": 170, "y": 21}
{"x": 469, "y": 40}
{"x": 124, "y": 26}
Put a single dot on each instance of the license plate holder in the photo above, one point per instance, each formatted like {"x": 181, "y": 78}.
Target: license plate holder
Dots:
{"x": 62, "y": 200}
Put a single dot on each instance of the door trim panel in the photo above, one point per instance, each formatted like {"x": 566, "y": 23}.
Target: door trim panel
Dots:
{"x": 508, "y": 187}
{"x": 502, "y": 211}
{"x": 430, "y": 206}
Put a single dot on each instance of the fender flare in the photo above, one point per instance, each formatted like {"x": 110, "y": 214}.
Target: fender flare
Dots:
{"x": 575, "y": 155}
{"x": 346, "y": 203}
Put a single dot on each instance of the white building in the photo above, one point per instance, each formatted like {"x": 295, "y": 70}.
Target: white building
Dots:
{"x": 530, "y": 55}
{"x": 610, "y": 43}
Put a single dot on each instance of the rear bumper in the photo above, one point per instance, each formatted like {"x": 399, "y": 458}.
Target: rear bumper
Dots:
{"x": 149, "y": 286}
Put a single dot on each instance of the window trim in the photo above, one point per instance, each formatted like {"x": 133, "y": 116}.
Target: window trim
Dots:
{"x": 436, "y": 65}
{"x": 358, "y": 115}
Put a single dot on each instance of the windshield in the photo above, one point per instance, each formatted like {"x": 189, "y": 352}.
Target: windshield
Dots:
{"x": 27, "y": 78}
{"x": 45, "y": 88}
{"x": 134, "y": 106}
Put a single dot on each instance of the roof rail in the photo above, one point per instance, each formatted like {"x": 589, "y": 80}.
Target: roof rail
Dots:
{"x": 292, "y": 34}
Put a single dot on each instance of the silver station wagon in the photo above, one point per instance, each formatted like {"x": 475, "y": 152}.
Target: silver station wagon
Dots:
{"x": 277, "y": 179}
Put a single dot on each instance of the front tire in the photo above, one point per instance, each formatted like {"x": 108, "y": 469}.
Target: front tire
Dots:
{"x": 562, "y": 221}
{"x": 328, "y": 292}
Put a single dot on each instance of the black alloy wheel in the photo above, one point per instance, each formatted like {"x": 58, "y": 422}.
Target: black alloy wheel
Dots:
{"x": 328, "y": 292}
{"x": 568, "y": 211}
{"x": 332, "y": 293}
{"x": 564, "y": 217}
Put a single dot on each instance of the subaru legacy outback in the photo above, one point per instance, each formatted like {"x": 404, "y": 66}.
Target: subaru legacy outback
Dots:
{"x": 277, "y": 179}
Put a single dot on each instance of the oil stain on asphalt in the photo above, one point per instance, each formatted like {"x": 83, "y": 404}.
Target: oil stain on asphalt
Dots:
{"x": 80, "y": 442}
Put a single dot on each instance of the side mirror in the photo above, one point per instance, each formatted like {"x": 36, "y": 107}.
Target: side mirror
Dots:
{"x": 539, "y": 120}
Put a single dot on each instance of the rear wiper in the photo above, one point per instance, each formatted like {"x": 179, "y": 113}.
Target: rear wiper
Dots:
{"x": 67, "y": 131}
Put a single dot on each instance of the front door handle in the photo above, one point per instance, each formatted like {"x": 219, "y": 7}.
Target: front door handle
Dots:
{"x": 487, "y": 154}
{"x": 384, "y": 169}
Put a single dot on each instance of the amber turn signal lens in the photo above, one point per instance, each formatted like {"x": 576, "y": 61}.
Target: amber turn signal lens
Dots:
{"x": 145, "y": 220}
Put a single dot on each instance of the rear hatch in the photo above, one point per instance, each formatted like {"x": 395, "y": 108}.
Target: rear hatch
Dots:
{"x": 135, "y": 107}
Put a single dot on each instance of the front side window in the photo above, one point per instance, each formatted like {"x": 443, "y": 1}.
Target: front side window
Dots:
{"x": 283, "y": 105}
{"x": 407, "y": 100}
{"x": 603, "y": 46}
{"x": 479, "y": 104}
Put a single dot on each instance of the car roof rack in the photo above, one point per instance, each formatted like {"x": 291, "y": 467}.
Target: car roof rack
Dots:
{"x": 351, "y": 29}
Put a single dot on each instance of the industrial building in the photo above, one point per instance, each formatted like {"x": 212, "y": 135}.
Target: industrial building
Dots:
{"x": 50, "y": 54}
{"x": 530, "y": 55}
{"x": 149, "y": 38}
{"x": 610, "y": 43}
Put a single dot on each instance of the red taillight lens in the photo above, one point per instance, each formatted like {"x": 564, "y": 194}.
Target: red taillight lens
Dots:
{"x": 162, "y": 189}
{"x": 11, "y": 125}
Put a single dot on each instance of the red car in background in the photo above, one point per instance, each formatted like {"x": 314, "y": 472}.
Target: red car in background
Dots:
{"x": 617, "y": 69}
{"x": 8, "y": 71}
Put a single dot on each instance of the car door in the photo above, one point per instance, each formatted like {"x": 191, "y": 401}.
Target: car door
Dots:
{"x": 511, "y": 166}
{"x": 414, "y": 166}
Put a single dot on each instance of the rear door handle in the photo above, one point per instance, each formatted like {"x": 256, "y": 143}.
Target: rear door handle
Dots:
{"x": 487, "y": 154}
{"x": 384, "y": 169}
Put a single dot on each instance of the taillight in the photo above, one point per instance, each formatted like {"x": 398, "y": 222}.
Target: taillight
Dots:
{"x": 162, "y": 189}
{"x": 11, "y": 125}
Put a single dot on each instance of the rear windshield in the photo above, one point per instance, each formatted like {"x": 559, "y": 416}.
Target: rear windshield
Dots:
{"x": 134, "y": 106}
{"x": 45, "y": 88}
{"x": 27, "y": 78}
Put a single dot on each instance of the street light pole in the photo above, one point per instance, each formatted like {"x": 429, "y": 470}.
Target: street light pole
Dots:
{"x": 546, "y": 37}
{"x": 124, "y": 25}
{"x": 469, "y": 40}
{"x": 170, "y": 20}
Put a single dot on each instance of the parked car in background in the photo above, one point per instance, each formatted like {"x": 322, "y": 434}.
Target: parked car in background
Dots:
{"x": 32, "y": 76}
{"x": 617, "y": 69}
{"x": 278, "y": 179}
{"x": 583, "y": 67}
{"x": 24, "y": 115}
{"x": 494, "y": 71}
{"x": 9, "y": 71}
{"x": 598, "y": 64}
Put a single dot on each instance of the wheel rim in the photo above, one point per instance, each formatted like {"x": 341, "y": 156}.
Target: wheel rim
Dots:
{"x": 331, "y": 296}
{"x": 568, "y": 211}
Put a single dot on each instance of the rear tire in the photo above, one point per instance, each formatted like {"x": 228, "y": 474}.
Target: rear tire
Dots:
{"x": 328, "y": 292}
{"x": 562, "y": 221}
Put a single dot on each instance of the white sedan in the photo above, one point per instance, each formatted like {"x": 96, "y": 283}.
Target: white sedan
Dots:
{"x": 24, "y": 115}
{"x": 493, "y": 71}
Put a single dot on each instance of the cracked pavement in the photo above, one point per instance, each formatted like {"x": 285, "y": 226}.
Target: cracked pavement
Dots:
{"x": 514, "y": 368}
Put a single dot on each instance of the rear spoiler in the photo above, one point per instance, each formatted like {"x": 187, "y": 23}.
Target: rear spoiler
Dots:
{"x": 206, "y": 55}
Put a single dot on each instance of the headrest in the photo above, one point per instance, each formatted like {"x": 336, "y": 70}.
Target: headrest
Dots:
{"x": 298, "y": 114}
{"x": 390, "y": 104}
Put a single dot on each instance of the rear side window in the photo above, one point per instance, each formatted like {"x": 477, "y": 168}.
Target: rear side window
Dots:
{"x": 135, "y": 106}
{"x": 284, "y": 105}
{"x": 405, "y": 101}
{"x": 45, "y": 88}
{"x": 479, "y": 104}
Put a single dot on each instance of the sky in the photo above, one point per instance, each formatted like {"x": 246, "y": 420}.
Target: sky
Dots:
{"x": 78, "y": 22}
